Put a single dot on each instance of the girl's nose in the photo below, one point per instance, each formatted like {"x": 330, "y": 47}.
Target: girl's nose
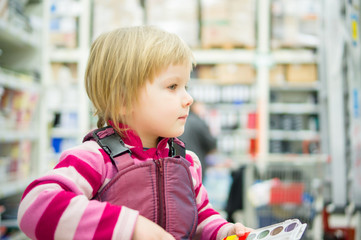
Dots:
{"x": 188, "y": 100}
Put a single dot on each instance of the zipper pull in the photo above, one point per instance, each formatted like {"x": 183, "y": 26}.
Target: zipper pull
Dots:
{"x": 159, "y": 164}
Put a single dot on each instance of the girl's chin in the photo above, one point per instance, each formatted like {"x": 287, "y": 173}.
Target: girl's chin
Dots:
{"x": 176, "y": 134}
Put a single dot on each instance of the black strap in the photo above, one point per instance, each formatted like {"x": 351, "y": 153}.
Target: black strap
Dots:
{"x": 112, "y": 144}
{"x": 176, "y": 149}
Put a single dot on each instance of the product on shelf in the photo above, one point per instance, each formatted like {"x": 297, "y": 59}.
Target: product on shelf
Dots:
{"x": 232, "y": 94}
{"x": 227, "y": 73}
{"x": 228, "y": 23}
{"x": 64, "y": 74}
{"x": 15, "y": 160}
{"x": 4, "y": 10}
{"x": 277, "y": 75}
{"x": 17, "y": 108}
{"x": 235, "y": 73}
{"x": 112, "y": 14}
{"x": 179, "y": 17}
{"x": 63, "y": 32}
{"x": 64, "y": 23}
{"x": 18, "y": 17}
{"x": 301, "y": 73}
{"x": 296, "y": 23}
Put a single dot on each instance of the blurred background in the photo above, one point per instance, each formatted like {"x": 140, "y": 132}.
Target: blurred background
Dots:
{"x": 279, "y": 81}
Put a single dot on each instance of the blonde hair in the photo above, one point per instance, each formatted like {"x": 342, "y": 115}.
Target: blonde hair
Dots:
{"x": 120, "y": 63}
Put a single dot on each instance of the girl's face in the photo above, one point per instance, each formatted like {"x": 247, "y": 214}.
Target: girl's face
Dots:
{"x": 163, "y": 106}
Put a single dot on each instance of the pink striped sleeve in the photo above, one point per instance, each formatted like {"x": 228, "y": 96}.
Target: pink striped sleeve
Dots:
{"x": 93, "y": 177}
{"x": 45, "y": 229}
{"x": 210, "y": 222}
{"x": 57, "y": 204}
{"x": 92, "y": 213}
{"x": 106, "y": 226}
{"x": 31, "y": 216}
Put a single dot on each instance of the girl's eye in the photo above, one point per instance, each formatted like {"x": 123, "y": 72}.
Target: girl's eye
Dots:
{"x": 173, "y": 87}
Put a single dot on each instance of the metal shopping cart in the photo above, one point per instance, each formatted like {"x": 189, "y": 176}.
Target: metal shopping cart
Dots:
{"x": 286, "y": 190}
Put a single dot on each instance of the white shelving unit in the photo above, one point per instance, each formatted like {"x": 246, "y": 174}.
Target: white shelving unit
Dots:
{"x": 71, "y": 109}
{"x": 225, "y": 101}
{"x": 294, "y": 108}
{"x": 294, "y": 56}
{"x": 16, "y": 36}
{"x": 218, "y": 56}
{"x": 303, "y": 109}
{"x": 265, "y": 59}
{"x": 342, "y": 58}
{"x": 20, "y": 53}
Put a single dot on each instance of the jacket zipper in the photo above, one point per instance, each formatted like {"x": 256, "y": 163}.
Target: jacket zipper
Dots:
{"x": 160, "y": 182}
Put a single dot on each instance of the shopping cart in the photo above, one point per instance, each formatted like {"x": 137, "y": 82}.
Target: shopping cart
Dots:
{"x": 289, "y": 192}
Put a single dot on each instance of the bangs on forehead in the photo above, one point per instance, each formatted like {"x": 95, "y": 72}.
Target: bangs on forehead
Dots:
{"x": 174, "y": 51}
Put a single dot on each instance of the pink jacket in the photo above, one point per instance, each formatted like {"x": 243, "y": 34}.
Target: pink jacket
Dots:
{"x": 58, "y": 205}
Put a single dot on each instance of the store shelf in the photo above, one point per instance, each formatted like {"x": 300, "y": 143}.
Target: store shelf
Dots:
{"x": 64, "y": 108}
{"x": 298, "y": 159}
{"x": 244, "y": 107}
{"x": 218, "y": 56}
{"x": 204, "y": 81}
{"x": 288, "y": 86}
{"x": 294, "y": 56}
{"x": 17, "y": 135}
{"x": 243, "y": 133}
{"x": 65, "y": 55}
{"x": 293, "y": 108}
{"x": 66, "y": 43}
{"x": 9, "y": 188}
{"x": 16, "y": 83}
{"x": 64, "y": 133}
{"x": 20, "y": 63}
{"x": 9, "y": 223}
{"x": 293, "y": 135}
{"x": 16, "y": 36}
{"x": 238, "y": 159}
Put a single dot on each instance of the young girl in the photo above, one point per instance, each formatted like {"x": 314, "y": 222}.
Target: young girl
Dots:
{"x": 129, "y": 180}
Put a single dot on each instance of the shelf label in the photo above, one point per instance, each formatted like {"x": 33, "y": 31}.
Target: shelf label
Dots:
{"x": 354, "y": 29}
{"x": 356, "y": 108}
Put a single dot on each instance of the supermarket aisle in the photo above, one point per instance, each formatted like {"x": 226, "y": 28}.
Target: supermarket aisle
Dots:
{"x": 280, "y": 79}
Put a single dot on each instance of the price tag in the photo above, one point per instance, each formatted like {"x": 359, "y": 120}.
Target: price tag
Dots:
{"x": 354, "y": 29}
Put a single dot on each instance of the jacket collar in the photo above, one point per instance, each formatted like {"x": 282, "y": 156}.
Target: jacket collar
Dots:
{"x": 134, "y": 143}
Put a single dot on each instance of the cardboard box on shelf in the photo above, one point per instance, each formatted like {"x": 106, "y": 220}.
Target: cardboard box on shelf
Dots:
{"x": 228, "y": 24}
{"x": 179, "y": 17}
{"x": 235, "y": 73}
{"x": 112, "y": 14}
{"x": 215, "y": 34}
{"x": 277, "y": 75}
{"x": 301, "y": 73}
{"x": 206, "y": 72}
{"x": 295, "y": 23}
{"x": 64, "y": 74}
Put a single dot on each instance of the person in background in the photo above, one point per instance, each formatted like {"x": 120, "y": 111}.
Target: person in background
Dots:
{"x": 129, "y": 179}
{"x": 197, "y": 136}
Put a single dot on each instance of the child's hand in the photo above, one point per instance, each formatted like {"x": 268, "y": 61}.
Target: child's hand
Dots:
{"x": 146, "y": 229}
{"x": 239, "y": 229}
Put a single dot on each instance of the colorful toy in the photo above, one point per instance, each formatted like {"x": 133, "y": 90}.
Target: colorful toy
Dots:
{"x": 291, "y": 229}
{"x": 234, "y": 237}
